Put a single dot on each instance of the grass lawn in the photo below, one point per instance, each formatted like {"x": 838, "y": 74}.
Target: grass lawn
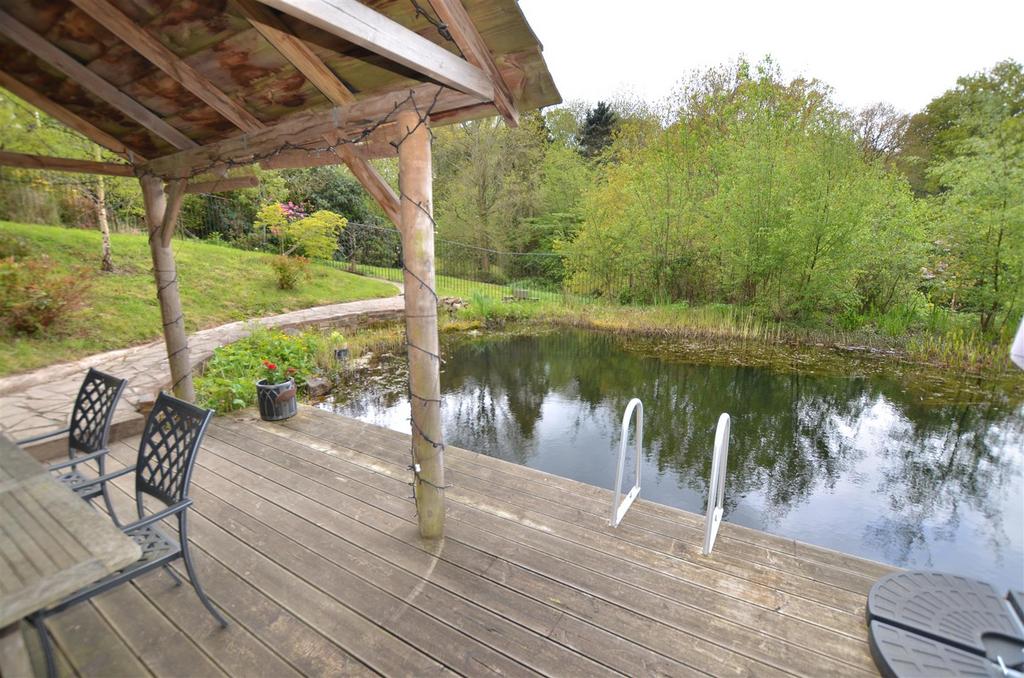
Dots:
{"x": 218, "y": 285}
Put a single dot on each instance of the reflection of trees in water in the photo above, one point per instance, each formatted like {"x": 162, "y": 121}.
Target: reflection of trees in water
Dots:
{"x": 940, "y": 461}
{"x": 792, "y": 434}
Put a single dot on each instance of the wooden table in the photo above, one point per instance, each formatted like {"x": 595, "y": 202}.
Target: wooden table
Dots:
{"x": 51, "y": 544}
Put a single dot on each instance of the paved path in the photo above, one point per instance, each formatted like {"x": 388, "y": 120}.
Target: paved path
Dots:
{"x": 40, "y": 401}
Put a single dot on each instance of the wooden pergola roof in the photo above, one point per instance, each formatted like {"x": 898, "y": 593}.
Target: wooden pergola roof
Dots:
{"x": 186, "y": 88}
{"x": 170, "y": 84}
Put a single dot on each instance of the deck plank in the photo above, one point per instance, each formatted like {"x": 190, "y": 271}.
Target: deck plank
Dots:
{"x": 837, "y": 594}
{"x": 389, "y": 534}
{"x": 736, "y": 618}
{"x": 747, "y": 545}
{"x": 304, "y": 534}
{"x": 537, "y": 534}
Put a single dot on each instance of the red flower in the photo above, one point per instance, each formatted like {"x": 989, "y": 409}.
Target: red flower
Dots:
{"x": 269, "y": 365}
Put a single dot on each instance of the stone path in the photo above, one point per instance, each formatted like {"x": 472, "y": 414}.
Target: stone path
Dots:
{"x": 41, "y": 401}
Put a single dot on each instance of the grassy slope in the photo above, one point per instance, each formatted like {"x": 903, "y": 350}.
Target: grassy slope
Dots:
{"x": 218, "y": 285}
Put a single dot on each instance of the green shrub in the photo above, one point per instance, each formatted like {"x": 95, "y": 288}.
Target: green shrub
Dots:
{"x": 228, "y": 381}
{"x": 13, "y": 247}
{"x": 35, "y": 294}
{"x": 289, "y": 270}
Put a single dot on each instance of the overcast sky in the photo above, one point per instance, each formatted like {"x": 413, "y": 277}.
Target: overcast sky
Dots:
{"x": 902, "y": 52}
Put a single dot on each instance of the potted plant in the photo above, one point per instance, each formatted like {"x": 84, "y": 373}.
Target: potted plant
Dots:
{"x": 275, "y": 393}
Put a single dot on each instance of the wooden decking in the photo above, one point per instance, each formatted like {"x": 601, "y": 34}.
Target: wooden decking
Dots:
{"x": 305, "y": 535}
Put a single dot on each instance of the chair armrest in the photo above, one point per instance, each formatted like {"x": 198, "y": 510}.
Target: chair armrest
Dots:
{"x": 81, "y": 459}
{"x": 105, "y": 478}
{"x": 159, "y": 515}
{"x": 42, "y": 436}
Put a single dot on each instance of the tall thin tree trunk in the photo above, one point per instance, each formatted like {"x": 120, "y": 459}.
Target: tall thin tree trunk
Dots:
{"x": 107, "y": 264}
{"x": 162, "y": 208}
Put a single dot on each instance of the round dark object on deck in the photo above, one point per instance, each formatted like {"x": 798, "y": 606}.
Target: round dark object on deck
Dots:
{"x": 276, "y": 401}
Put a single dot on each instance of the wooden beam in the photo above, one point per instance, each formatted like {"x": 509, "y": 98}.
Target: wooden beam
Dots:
{"x": 297, "y": 52}
{"x": 424, "y": 353}
{"x": 223, "y": 185}
{"x": 472, "y": 44}
{"x": 360, "y": 25}
{"x": 308, "y": 129}
{"x": 71, "y": 120}
{"x": 373, "y": 182}
{"x": 162, "y": 208}
{"x": 43, "y": 162}
{"x": 300, "y": 159}
{"x": 143, "y": 42}
{"x": 44, "y": 50}
{"x": 303, "y": 159}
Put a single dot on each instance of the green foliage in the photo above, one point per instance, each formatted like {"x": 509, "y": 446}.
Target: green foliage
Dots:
{"x": 228, "y": 380}
{"x": 290, "y": 270}
{"x": 596, "y": 130}
{"x": 978, "y": 223}
{"x": 493, "y": 312}
{"x": 13, "y": 246}
{"x": 971, "y": 109}
{"x": 315, "y": 236}
{"x": 328, "y": 188}
{"x": 217, "y": 284}
{"x": 37, "y": 293}
{"x": 759, "y": 194}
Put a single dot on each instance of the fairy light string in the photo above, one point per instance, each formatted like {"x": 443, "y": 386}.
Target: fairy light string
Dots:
{"x": 418, "y": 403}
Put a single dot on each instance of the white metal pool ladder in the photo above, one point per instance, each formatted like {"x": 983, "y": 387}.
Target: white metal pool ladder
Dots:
{"x": 619, "y": 509}
{"x": 716, "y": 486}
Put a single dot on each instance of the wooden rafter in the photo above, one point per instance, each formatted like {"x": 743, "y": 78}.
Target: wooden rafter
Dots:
{"x": 363, "y": 26}
{"x": 42, "y": 162}
{"x": 472, "y": 44}
{"x": 297, "y": 52}
{"x": 316, "y": 71}
{"x": 374, "y": 183}
{"x": 44, "y": 50}
{"x": 307, "y": 129}
{"x": 73, "y": 121}
{"x": 143, "y": 42}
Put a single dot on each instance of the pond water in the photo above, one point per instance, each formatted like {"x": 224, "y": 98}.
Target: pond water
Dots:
{"x": 858, "y": 464}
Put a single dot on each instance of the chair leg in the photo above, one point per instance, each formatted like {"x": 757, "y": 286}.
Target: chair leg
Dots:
{"x": 187, "y": 556}
{"x": 110, "y": 506}
{"x": 44, "y": 640}
{"x": 173, "y": 575}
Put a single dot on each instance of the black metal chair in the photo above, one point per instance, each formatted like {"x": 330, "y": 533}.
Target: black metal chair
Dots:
{"x": 167, "y": 452}
{"x": 88, "y": 434}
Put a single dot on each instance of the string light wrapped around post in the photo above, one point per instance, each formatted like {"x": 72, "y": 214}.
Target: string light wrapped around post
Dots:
{"x": 422, "y": 346}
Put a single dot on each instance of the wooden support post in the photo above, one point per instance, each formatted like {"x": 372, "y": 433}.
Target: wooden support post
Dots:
{"x": 162, "y": 208}
{"x": 417, "y": 226}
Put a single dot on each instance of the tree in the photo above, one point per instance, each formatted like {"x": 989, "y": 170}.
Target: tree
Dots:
{"x": 937, "y": 133}
{"x": 979, "y": 225}
{"x": 881, "y": 130}
{"x": 596, "y": 130}
{"x": 758, "y": 193}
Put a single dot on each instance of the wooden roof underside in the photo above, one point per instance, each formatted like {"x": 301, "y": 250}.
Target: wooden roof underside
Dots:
{"x": 259, "y": 85}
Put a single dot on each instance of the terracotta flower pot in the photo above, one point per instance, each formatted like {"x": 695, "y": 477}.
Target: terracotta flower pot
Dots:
{"x": 276, "y": 401}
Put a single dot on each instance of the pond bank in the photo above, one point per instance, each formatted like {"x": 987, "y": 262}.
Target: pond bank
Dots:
{"x": 723, "y": 338}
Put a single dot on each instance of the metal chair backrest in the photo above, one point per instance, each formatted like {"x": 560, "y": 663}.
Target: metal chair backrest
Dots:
{"x": 174, "y": 430}
{"x": 89, "y": 430}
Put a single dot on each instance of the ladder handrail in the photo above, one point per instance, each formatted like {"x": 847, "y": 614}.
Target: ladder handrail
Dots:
{"x": 618, "y": 511}
{"x": 716, "y": 486}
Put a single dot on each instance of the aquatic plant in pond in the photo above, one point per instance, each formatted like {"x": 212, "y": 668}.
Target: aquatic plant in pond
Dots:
{"x": 863, "y": 464}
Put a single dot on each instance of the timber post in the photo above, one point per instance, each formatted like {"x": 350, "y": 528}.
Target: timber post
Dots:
{"x": 417, "y": 228}
{"x": 162, "y": 208}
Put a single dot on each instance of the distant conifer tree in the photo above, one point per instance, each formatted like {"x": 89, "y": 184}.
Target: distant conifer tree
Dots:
{"x": 596, "y": 133}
